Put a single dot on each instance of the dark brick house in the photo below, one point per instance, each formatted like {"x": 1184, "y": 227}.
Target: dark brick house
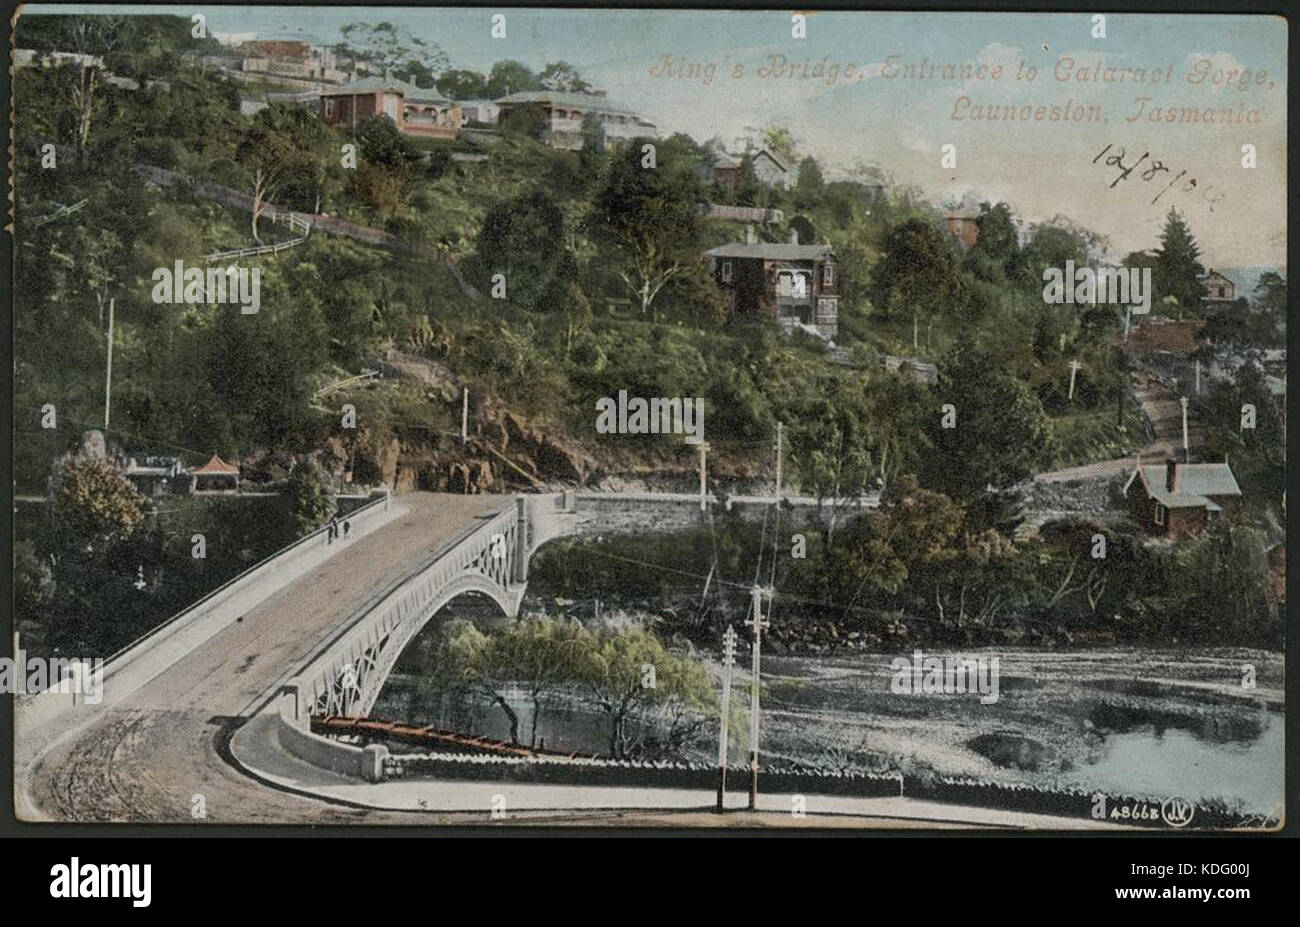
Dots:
{"x": 1178, "y": 500}
{"x": 791, "y": 283}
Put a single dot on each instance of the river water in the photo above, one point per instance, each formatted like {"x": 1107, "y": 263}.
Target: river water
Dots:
{"x": 1123, "y": 722}
{"x": 1150, "y": 761}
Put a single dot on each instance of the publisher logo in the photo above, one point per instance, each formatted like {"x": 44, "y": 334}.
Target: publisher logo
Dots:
{"x": 1177, "y": 811}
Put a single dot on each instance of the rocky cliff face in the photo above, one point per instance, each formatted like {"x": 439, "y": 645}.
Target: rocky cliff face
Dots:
{"x": 505, "y": 453}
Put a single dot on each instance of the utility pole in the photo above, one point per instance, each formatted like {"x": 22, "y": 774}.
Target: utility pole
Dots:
{"x": 915, "y": 346}
{"x": 728, "y": 661}
{"x": 464, "y": 414}
{"x": 779, "y": 429}
{"x": 1128, "y": 317}
{"x": 108, "y": 372}
{"x": 703, "y": 448}
{"x": 1187, "y": 458}
{"x": 1074, "y": 369}
{"x": 758, "y": 624}
{"x": 1198, "y": 376}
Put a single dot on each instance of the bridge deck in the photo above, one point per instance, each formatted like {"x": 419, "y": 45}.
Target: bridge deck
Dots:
{"x": 147, "y": 756}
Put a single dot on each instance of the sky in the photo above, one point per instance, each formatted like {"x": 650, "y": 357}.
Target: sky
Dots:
{"x": 884, "y": 115}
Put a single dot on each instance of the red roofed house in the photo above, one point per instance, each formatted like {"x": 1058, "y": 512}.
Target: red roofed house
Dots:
{"x": 413, "y": 110}
{"x": 1178, "y": 500}
{"x": 214, "y": 476}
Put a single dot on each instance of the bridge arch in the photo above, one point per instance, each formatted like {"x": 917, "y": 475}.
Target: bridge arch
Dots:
{"x": 389, "y": 649}
{"x": 490, "y": 559}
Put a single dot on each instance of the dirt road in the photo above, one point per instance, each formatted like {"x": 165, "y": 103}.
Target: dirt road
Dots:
{"x": 1162, "y": 408}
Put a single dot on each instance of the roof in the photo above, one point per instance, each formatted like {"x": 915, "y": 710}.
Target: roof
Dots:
{"x": 393, "y": 84}
{"x": 771, "y": 157}
{"x": 556, "y": 98}
{"x": 1196, "y": 483}
{"x": 216, "y": 467}
{"x": 773, "y": 251}
{"x": 275, "y": 48}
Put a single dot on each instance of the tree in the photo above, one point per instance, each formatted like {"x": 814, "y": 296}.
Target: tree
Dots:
{"x": 97, "y": 503}
{"x": 997, "y": 243}
{"x": 649, "y": 214}
{"x": 91, "y": 37}
{"x": 749, "y": 192}
{"x": 916, "y": 529}
{"x": 1001, "y": 432}
{"x": 1256, "y": 454}
{"x": 509, "y": 77}
{"x": 1270, "y": 297}
{"x": 811, "y": 184}
{"x": 461, "y": 84}
{"x": 528, "y": 119}
{"x": 379, "y": 141}
{"x": 1050, "y": 247}
{"x": 1220, "y": 584}
{"x": 310, "y": 501}
{"x": 523, "y": 238}
{"x": 383, "y": 48}
{"x": 563, "y": 77}
{"x": 463, "y": 661}
{"x": 1177, "y": 272}
{"x": 917, "y": 271}
{"x": 615, "y": 672}
{"x": 831, "y": 448}
{"x": 541, "y": 655}
{"x": 269, "y": 155}
{"x": 780, "y": 141}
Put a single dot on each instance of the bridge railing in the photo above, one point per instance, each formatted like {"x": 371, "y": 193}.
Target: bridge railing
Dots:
{"x": 347, "y": 674}
{"x": 38, "y": 706}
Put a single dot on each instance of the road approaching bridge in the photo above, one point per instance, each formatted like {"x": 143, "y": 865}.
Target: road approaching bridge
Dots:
{"x": 156, "y": 754}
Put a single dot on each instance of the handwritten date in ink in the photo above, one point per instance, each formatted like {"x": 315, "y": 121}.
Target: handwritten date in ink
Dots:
{"x": 1154, "y": 169}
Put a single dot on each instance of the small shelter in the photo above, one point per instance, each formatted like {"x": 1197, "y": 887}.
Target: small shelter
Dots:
{"x": 214, "y": 476}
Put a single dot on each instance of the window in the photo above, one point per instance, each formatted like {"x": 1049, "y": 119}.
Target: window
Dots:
{"x": 726, "y": 271}
{"x": 792, "y": 285}
{"x": 1160, "y": 514}
{"x": 828, "y": 275}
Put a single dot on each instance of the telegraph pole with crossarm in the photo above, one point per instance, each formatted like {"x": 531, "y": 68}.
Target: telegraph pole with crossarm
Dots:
{"x": 728, "y": 661}
{"x": 758, "y": 623}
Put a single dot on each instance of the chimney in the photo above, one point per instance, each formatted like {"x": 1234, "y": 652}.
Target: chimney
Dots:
{"x": 1171, "y": 474}
{"x": 794, "y": 236}
{"x": 749, "y": 235}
